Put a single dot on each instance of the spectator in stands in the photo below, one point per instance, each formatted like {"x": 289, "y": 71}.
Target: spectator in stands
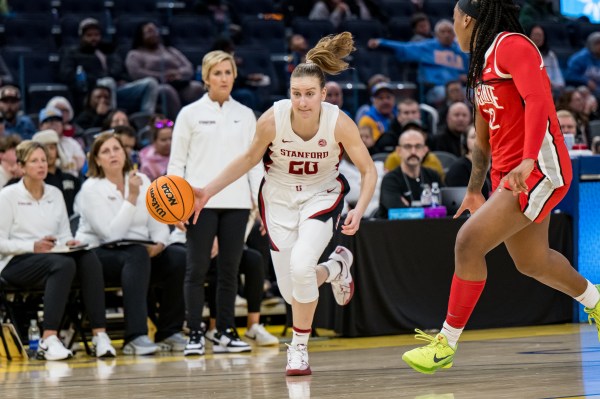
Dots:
{"x": 65, "y": 182}
{"x": 373, "y": 80}
{"x": 590, "y": 108}
{"x": 96, "y": 108}
{"x": 537, "y": 34}
{"x": 440, "y": 59}
{"x": 402, "y": 187}
{"x": 536, "y": 11}
{"x": 336, "y": 11}
{"x": 116, "y": 117}
{"x": 6, "y": 77}
{"x": 394, "y": 159}
{"x": 148, "y": 57}
{"x": 366, "y": 135}
{"x": 155, "y": 157}
{"x": 568, "y": 125}
{"x": 583, "y": 67}
{"x": 72, "y": 157}
{"x": 421, "y": 27}
{"x": 380, "y": 114}
{"x": 34, "y": 222}
{"x": 455, "y": 93}
{"x": 222, "y": 14}
{"x": 460, "y": 171}
{"x": 64, "y": 106}
{"x": 9, "y": 168}
{"x": 128, "y": 138}
{"x": 335, "y": 95}
{"x": 572, "y": 101}
{"x": 102, "y": 67}
{"x": 14, "y": 120}
{"x": 112, "y": 205}
{"x": 457, "y": 125}
{"x": 407, "y": 110}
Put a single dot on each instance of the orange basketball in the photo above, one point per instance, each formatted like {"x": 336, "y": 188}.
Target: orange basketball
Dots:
{"x": 170, "y": 199}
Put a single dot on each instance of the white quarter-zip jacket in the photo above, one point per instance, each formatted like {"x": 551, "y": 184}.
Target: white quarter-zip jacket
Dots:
{"x": 206, "y": 138}
{"x": 25, "y": 220}
{"x": 106, "y": 215}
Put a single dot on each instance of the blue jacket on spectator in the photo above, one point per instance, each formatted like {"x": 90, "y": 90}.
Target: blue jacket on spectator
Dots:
{"x": 23, "y": 126}
{"x": 582, "y": 67}
{"x": 438, "y": 64}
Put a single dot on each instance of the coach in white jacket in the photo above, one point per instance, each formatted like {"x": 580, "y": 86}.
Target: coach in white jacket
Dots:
{"x": 35, "y": 237}
{"x": 208, "y": 134}
{"x": 112, "y": 208}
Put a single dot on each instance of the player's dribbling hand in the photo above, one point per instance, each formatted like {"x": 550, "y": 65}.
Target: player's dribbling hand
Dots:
{"x": 472, "y": 202}
{"x": 516, "y": 179}
{"x": 352, "y": 223}
{"x": 201, "y": 197}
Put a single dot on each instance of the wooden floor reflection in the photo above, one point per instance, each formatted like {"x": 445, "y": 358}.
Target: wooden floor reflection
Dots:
{"x": 534, "y": 362}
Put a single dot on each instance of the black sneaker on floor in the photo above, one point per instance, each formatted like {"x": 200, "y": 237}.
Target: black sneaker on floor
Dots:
{"x": 195, "y": 345}
{"x": 230, "y": 342}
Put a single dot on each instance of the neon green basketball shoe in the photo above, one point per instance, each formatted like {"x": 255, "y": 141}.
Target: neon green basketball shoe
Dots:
{"x": 430, "y": 358}
{"x": 594, "y": 314}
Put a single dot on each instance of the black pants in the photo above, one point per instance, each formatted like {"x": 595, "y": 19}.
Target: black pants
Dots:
{"x": 55, "y": 272}
{"x": 252, "y": 267}
{"x": 229, "y": 226}
{"x": 131, "y": 267}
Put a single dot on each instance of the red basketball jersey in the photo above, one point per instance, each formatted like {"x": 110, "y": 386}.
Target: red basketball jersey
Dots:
{"x": 515, "y": 98}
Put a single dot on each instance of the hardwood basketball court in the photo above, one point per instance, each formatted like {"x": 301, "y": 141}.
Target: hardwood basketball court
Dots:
{"x": 561, "y": 361}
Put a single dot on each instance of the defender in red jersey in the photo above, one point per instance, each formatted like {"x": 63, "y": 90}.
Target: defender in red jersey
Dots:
{"x": 517, "y": 128}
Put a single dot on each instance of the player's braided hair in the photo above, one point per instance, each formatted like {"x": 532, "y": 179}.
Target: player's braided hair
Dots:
{"x": 326, "y": 57}
{"x": 495, "y": 16}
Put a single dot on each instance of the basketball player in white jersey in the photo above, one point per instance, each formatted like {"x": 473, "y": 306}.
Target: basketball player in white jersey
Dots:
{"x": 301, "y": 141}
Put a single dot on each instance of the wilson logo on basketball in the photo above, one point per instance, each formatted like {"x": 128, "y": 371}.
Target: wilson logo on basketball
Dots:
{"x": 170, "y": 197}
{"x": 322, "y": 143}
{"x": 155, "y": 205}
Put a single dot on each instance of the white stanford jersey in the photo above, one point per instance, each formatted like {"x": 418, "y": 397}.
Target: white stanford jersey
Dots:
{"x": 291, "y": 161}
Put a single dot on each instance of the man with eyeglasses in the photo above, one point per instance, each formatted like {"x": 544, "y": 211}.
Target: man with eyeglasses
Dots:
{"x": 401, "y": 188}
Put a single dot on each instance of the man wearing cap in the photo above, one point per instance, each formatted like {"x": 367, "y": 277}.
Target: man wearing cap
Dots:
{"x": 70, "y": 153}
{"x": 101, "y": 67}
{"x": 382, "y": 110}
{"x": 440, "y": 59}
{"x": 14, "y": 121}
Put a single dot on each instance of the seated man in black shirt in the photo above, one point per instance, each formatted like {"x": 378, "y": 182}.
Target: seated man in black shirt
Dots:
{"x": 401, "y": 188}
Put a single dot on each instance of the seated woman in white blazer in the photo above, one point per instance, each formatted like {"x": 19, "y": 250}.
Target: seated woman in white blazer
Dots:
{"x": 112, "y": 207}
{"x": 35, "y": 237}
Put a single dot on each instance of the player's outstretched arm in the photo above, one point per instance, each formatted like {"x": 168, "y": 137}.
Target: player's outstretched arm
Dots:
{"x": 265, "y": 134}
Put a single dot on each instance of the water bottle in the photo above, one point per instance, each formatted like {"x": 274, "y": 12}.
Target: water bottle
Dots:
{"x": 81, "y": 79}
{"x": 435, "y": 194}
{"x": 34, "y": 335}
{"x": 198, "y": 75}
{"x": 426, "y": 196}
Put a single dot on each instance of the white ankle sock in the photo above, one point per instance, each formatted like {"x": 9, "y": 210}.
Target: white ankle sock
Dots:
{"x": 334, "y": 268}
{"x": 300, "y": 338}
{"x": 590, "y": 296}
{"x": 452, "y": 334}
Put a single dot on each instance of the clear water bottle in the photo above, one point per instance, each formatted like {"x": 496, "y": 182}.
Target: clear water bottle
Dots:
{"x": 426, "y": 196}
{"x": 34, "y": 335}
{"x": 81, "y": 79}
{"x": 436, "y": 198}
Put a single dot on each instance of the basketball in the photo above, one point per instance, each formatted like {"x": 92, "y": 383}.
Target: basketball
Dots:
{"x": 170, "y": 199}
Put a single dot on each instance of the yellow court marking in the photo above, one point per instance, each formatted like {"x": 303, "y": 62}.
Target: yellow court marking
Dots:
{"x": 318, "y": 345}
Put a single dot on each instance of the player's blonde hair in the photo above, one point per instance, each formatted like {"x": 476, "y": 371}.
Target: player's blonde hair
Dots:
{"x": 213, "y": 58}
{"x": 326, "y": 57}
